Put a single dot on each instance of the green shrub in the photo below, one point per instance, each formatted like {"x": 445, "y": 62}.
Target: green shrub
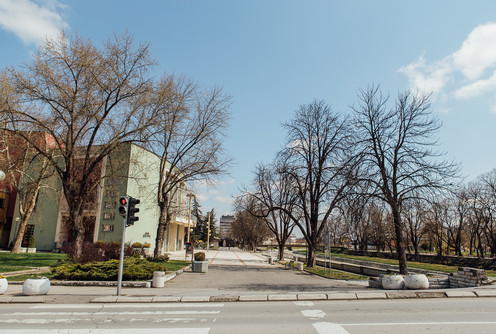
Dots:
{"x": 160, "y": 258}
{"x": 137, "y": 244}
{"x": 32, "y": 242}
{"x": 135, "y": 269}
{"x": 199, "y": 256}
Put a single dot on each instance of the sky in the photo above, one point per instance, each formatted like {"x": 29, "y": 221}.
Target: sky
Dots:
{"x": 273, "y": 56}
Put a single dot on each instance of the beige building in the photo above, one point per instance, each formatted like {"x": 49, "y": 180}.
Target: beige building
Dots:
{"x": 225, "y": 226}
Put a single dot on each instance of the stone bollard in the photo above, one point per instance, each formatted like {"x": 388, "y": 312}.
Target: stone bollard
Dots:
{"x": 271, "y": 261}
{"x": 299, "y": 266}
{"x": 158, "y": 279}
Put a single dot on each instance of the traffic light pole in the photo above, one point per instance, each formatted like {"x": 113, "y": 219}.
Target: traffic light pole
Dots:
{"x": 121, "y": 261}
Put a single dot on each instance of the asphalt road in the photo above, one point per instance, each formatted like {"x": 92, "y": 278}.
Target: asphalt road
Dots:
{"x": 476, "y": 315}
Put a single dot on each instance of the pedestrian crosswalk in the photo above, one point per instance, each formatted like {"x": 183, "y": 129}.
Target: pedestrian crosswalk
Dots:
{"x": 192, "y": 318}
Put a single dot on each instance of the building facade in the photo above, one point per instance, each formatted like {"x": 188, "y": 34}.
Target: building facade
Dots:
{"x": 225, "y": 226}
{"x": 129, "y": 170}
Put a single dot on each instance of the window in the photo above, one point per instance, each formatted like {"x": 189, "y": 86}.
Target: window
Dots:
{"x": 110, "y": 204}
{"x": 111, "y": 193}
{"x": 2, "y": 203}
{"x": 108, "y": 216}
{"x": 107, "y": 228}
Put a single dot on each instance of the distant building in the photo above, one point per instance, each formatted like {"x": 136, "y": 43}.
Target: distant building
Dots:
{"x": 225, "y": 226}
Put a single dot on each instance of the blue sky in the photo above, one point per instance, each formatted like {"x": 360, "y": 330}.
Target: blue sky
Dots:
{"x": 272, "y": 56}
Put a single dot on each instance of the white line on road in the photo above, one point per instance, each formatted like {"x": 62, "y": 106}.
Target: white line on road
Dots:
{"x": 127, "y": 305}
{"x": 111, "y": 313}
{"x": 109, "y": 331}
{"x": 440, "y": 323}
{"x": 329, "y": 328}
{"x": 304, "y": 303}
{"x": 313, "y": 314}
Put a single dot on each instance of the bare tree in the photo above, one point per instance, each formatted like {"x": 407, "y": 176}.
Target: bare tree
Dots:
{"x": 88, "y": 100}
{"x": 248, "y": 227}
{"x": 320, "y": 164}
{"x": 273, "y": 188}
{"x": 397, "y": 148}
{"x": 187, "y": 135}
{"x": 414, "y": 216}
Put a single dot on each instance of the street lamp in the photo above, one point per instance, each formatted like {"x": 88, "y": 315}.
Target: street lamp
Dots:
{"x": 190, "y": 195}
{"x": 2, "y": 175}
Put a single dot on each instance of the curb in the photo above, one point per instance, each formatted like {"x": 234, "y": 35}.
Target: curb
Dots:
{"x": 348, "y": 296}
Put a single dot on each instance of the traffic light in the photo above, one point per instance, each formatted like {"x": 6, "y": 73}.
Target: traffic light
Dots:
{"x": 123, "y": 206}
{"x": 132, "y": 210}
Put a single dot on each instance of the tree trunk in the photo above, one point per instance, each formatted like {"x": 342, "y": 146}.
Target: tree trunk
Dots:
{"x": 163, "y": 222}
{"x": 282, "y": 244}
{"x": 20, "y": 235}
{"x": 400, "y": 243}
{"x": 311, "y": 256}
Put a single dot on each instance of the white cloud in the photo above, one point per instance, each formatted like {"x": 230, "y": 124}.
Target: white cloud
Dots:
{"x": 475, "y": 60}
{"x": 476, "y": 88}
{"x": 31, "y": 21}
{"x": 428, "y": 78}
{"x": 478, "y": 52}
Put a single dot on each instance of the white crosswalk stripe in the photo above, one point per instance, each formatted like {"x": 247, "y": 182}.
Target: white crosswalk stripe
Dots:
{"x": 99, "y": 318}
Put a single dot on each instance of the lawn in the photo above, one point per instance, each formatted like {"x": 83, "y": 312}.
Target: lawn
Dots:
{"x": 14, "y": 262}
{"x": 175, "y": 265}
{"x": 419, "y": 265}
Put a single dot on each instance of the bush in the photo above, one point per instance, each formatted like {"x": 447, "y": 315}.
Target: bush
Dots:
{"x": 99, "y": 251}
{"x": 199, "y": 256}
{"x": 160, "y": 258}
{"x": 134, "y": 269}
{"x": 32, "y": 243}
{"x": 137, "y": 244}
{"x": 147, "y": 245}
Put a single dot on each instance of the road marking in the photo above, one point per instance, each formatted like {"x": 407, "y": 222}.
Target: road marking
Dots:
{"x": 244, "y": 264}
{"x": 329, "y": 328}
{"x": 304, "y": 303}
{"x": 127, "y": 305}
{"x": 211, "y": 261}
{"x": 443, "y": 323}
{"x": 95, "y": 320}
{"x": 108, "y": 331}
{"x": 313, "y": 314}
{"x": 182, "y": 312}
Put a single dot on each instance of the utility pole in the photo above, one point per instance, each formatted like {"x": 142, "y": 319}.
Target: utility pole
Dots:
{"x": 208, "y": 231}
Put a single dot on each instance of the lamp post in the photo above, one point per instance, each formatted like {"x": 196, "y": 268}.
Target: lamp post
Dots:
{"x": 208, "y": 231}
{"x": 2, "y": 175}
{"x": 190, "y": 195}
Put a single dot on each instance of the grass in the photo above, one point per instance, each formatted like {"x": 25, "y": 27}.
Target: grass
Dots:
{"x": 23, "y": 260}
{"x": 321, "y": 271}
{"x": 418, "y": 265}
{"x": 27, "y": 261}
{"x": 174, "y": 265}
{"x": 334, "y": 274}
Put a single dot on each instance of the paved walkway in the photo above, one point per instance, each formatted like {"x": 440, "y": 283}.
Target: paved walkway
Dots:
{"x": 235, "y": 275}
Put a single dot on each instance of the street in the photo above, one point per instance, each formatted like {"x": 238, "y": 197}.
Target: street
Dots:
{"x": 452, "y": 316}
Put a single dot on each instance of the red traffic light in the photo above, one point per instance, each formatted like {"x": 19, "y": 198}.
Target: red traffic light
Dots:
{"x": 123, "y": 200}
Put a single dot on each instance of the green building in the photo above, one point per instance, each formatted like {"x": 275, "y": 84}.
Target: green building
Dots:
{"x": 129, "y": 170}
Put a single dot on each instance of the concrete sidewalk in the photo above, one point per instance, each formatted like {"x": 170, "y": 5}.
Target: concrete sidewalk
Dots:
{"x": 235, "y": 275}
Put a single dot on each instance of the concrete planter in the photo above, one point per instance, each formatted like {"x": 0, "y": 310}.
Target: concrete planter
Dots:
{"x": 416, "y": 282}
{"x": 200, "y": 266}
{"x": 393, "y": 282}
{"x": 158, "y": 279}
{"x": 33, "y": 287}
{"x": 3, "y": 285}
{"x": 31, "y": 250}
